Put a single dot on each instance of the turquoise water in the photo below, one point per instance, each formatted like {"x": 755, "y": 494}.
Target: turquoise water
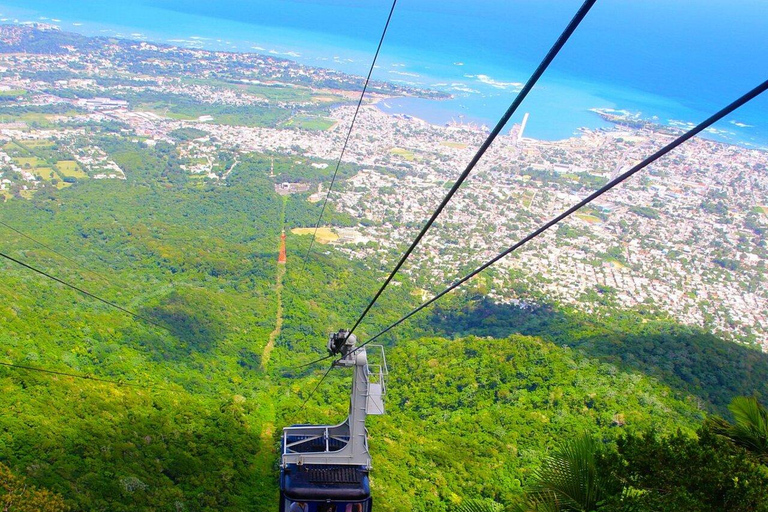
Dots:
{"x": 673, "y": 60}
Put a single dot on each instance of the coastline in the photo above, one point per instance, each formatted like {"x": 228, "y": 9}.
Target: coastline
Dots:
{"x": 559, "y": 106}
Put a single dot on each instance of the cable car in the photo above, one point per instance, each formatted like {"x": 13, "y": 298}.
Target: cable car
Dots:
{"x": 325, "y": 468}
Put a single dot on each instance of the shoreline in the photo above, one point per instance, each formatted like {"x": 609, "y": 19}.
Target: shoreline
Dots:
{"x": 555, "y": 125}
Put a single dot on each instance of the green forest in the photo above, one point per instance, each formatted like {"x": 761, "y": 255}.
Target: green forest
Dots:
{"x": 179, "y": 404}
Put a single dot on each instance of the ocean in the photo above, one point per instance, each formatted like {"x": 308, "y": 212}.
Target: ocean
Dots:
{"x": 672, "y": 61}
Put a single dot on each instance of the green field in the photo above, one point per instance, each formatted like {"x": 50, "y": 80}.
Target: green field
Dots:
{"x": 29, "y": 118}
{"x": 310, "y": 123}
{"x": 70, "y": 168}
{"x": 46, "y": 173}
{"x": 14, "y": 150}
{"x": 591, "y": 219}
{"x": 37, "y": 144}
{"x": 527, "y": 199}
{"x": 165, "y": 109}
{"x": 403, "y": 153}
{"x": 13, "y": 93}
{"x": 455, "y": 145}
{"x": 28, "y": 162}
{"x": 276, "y": 92}
{"x": 22, "y": 154}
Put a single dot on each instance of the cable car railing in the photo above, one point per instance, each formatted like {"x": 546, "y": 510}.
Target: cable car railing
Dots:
{"x": 329, "y": 439}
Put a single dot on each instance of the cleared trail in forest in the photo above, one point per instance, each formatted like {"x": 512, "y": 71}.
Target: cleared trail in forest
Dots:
{"x": 278, "y": 320}
{"x": 266, "y": 354}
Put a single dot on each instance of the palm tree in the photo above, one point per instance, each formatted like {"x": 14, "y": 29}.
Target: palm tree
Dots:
{"x": 750, "y": 430}
{"x": 569, "y": 480}
{"x": 479, "y": 506}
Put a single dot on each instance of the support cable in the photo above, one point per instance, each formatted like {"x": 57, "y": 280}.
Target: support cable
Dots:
{"x": 349, "y": 133}
{"x": 616, "y": 181}
{"x": 87, "y": 293}
{"x": 551, "y": 54}
{"x": 75, "y": 375}
{"x": 54, "y": 251}
{"x": 327, "y": 372}
{"x": 318, "y": 360}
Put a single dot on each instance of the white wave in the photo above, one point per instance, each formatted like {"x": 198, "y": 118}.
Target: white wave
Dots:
{"x": 717, "y": 131}
{"x": 741, "y": 125}
{"x": 289, "y": 54}
{"x": 464, "y": 88}
{"x": 77, "y": 24}
{"x": 406, "y": 82}
{"x": 405, "y": 73}
{"x": 485, "y": 79}
{"x": 259, "y": 48}
{"x": 458, "y": 63}
{"x": 680, "y": 124}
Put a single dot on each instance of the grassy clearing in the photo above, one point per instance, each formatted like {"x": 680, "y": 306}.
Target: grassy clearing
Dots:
{"x": 37, "y": 143}
{"x": 324, "y": 235}
{"x": 13, "y": 93}
{"x": 320, "y": 99}
{"x": 28, "y": 163}
{"x": 403, "y": 153}
{"x": 277, "y": 92}
{"x": 527, "y": 199}
{"x": 46, "y": 173}
{"x": 15, "y": 150}
{"x": 455, "y": 145}
{"x": 310, "y": 123}
{"x": 70, "y": 168}
{"x": 164, "y": 109}
{"x": 29, "y": 118}
{"x": 591, "y": 219}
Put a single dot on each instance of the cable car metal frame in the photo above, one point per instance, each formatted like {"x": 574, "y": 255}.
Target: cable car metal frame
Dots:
{"x": 325, "y": 468}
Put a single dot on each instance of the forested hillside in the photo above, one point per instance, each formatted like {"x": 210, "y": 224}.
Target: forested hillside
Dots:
{"x": 192, "y": 417}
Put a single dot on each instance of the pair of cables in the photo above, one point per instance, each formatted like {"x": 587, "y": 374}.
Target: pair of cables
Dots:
{"x": 551, "y": 223}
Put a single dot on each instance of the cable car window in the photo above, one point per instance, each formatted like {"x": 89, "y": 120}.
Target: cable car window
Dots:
{"x": 309, "y": 506}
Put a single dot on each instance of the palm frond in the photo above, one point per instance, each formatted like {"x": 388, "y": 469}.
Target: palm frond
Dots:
{"x": 479, "y": 506}
{"x": 751, "y": 428}
{"x": 569, "y": 479}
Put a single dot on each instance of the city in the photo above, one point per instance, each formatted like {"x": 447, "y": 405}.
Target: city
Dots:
{"x": 686, "y": 236}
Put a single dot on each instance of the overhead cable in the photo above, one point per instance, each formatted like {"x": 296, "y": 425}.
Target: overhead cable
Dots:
{"x": 67, "y": 374}
{"x": 318, "y": 360}
{"x": 349, "y": 133}
{"x": 54, "y": 251}
{"x": 551, "y": 54}
{"x": 328, "y": 371}
{"x": 616, "y": 181}
{"x": 86, "y": 293}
